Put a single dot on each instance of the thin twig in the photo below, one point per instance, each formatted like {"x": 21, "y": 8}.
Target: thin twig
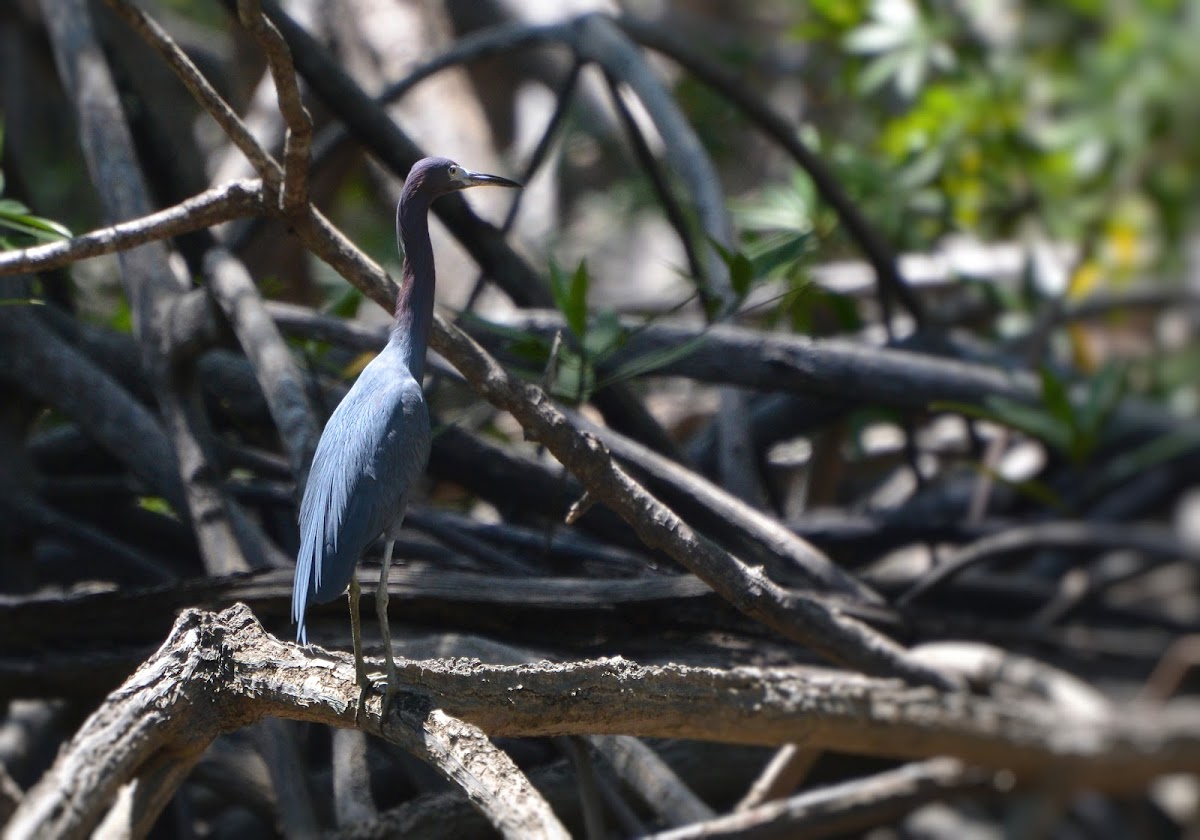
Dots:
{"x": 782, "y": 775}
{"x": 562, "y": 103}
{"x": 1155, "y": 542}
{"x": 294, "y": 192}
{"x": 846, "y": 808}
{"x": 662, "y": 189}
{"x": 202, "y": 90}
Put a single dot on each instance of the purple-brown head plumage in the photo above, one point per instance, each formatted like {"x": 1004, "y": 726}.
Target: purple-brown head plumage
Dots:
{"x": 434, "y": 176}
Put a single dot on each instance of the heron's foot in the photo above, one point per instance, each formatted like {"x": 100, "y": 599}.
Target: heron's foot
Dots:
{"x": 364, "y": 689}
{"x": 390, "y": 690}
{"x": 391, "y": 687}
{"x": 376, "y": 681}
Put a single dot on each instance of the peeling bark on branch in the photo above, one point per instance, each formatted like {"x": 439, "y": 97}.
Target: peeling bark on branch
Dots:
{"x": 219, "y": 672}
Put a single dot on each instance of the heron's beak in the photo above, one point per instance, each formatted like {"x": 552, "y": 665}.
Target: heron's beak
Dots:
{"x": 479, "y": 179}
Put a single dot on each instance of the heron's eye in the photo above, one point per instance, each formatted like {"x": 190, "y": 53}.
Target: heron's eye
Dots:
{"x": 453, "y": 170}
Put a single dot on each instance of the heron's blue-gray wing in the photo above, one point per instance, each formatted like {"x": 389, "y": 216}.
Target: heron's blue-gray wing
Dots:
{"x": 374, "y": 447}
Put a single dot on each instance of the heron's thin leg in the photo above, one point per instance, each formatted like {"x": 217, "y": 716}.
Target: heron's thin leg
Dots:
{"x": 360, "y": 669}
{"x": 381, "y": 607}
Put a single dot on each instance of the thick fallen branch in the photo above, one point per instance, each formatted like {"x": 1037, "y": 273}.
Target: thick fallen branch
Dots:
{"x": 219, "y": 672}
{"x": 838, "y": 369}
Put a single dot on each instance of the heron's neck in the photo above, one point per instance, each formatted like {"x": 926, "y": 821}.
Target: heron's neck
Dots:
{"x": 414, "y": 303}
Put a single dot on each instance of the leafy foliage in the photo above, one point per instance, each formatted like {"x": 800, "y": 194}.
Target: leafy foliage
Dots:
{"x": 19, "y": 227}
{"x": 992, "y": 116}
{"x": 1071, "y": 423}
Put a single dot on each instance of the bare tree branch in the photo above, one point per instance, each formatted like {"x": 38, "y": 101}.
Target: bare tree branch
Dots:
{"x": 234, "y": 200}
{"x": 216, "y": 673}
{"x": 230, "y": 541}
{"x": 839, "y": 369}
{"x": 208, "y": 678}
{"x": 203, "y": 91}
{"x": 1159, "y": 544}
{"x": 10, "y": 795}
{"x": 782, "y": 775}
{"x": 794, "y": 614}
{"x": 294, "y": 192}
{"x": 46, "y": 366}
{"x": 277, "y": 372}
{"x": 652, "y": 779}
{"x": 843, "y": 808}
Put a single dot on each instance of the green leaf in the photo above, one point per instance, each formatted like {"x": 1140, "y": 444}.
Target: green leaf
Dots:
{"x": 604, "y": 335}
{"x": 1031, "y": 420}
{"x": 741, "y": 268}
{"x": 779, "y": 253}
{"x": 845, "y": 310}
{"x": 1036, "y": 490}
{"x": 570, "y": 296}
{"x": 741, "y": 274}
{"x": 1104, "y": 394}
{"x": 122, "y": 317}
{"x": 576, "y": 310}
{"x": 575, "y": 377}
{"x": 530, "y": 348}
{"x": 157, "y": 504}
{"x": 16, "y": 216}
{"x": 1151, "y": 454}
{"x": 1057, "y": 400}
{"x": 521, "y": 344}
{"x": 558, "y": 286}
{"x": 347, "y": 304}
{"x": 650, "y": 362}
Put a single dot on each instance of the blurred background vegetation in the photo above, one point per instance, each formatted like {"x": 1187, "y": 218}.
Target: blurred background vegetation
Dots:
{"x": 1031, "y": 164}
{"x": 1038, "y": 155}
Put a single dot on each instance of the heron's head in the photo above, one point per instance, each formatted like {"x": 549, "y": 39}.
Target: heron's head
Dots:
{"x": 434, "y": 176}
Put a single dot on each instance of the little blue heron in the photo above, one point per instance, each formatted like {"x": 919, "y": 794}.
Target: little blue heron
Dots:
{"x": 376, "y": 443}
